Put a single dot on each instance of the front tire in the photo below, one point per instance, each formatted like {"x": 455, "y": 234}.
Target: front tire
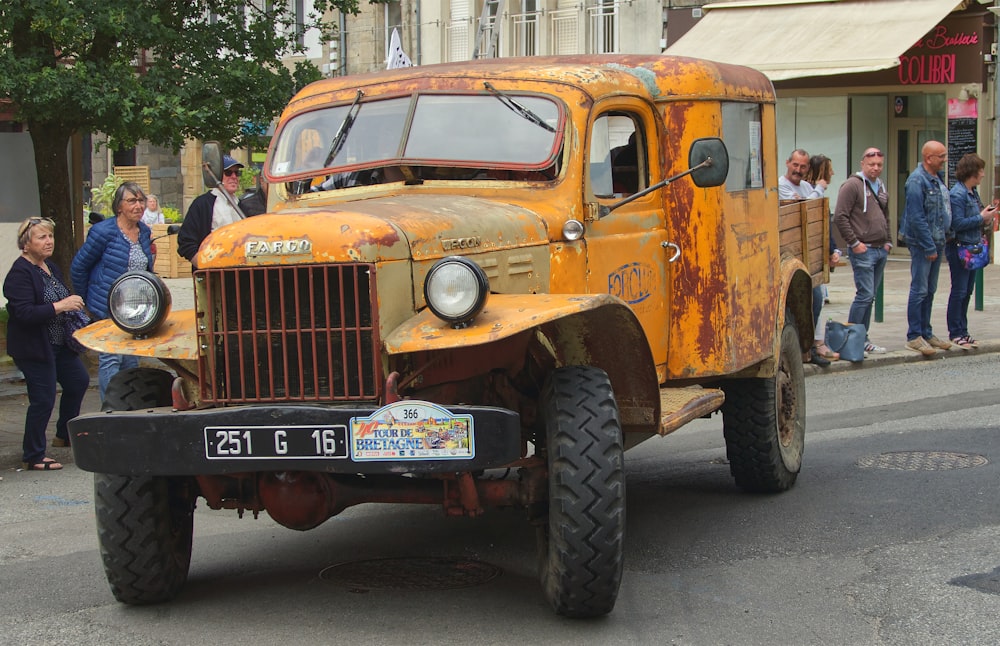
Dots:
{"x": 764, "y": 422}
{"x": 581, "y": 543}
{"x": 144, "y": 523}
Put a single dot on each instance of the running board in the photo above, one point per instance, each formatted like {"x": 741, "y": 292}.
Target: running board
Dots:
{"x": 679, "y": 406}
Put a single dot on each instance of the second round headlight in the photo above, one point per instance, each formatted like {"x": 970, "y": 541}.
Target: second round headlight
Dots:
{"x": 456, "y": 290}
{"x": 138, "y": 302}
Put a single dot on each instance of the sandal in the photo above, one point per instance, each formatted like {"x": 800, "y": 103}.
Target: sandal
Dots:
{"x": 47, "y": 464}
{"x": 824, "y": 351}
{"x": 60, "y": 442}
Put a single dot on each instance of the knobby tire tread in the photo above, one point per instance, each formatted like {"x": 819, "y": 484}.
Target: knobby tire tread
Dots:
{"x": 582, "y": 548}
{"x": 144, "y": 523}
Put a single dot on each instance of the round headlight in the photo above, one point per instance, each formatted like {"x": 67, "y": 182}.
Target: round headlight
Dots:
{"x": 456, "y": 290}
{"x": 138, "y": 302}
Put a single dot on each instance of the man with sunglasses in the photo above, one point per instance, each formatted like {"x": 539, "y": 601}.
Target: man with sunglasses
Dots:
{"x": 210, "y": 210}
{"x": 862, "y": 217}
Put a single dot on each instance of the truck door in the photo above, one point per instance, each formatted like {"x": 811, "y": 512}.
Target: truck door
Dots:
{"x": 625, "y": 249}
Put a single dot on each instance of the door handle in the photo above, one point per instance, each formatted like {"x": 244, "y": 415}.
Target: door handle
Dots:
{"x": 677, "y": 250}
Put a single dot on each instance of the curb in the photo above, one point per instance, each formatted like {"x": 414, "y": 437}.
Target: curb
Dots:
{"x": 901, "y": 356}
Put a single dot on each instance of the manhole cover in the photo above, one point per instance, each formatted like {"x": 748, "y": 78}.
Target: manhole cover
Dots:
{"x": 410, "y": 574}
{"x": 922, "y": 461}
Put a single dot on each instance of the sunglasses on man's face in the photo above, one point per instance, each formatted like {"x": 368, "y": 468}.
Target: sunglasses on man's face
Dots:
{"x": 231, "y": 172}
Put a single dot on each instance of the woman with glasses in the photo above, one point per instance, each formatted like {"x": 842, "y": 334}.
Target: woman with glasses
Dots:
{"x": 969, "y": 221}
{"x": 113, "y": 246}
{"x": 38, "y": 301}
{"x": 210, "y": 210}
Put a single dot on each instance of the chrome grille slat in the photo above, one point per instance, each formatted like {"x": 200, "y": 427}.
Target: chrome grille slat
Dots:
{"x": 305, "y": 333}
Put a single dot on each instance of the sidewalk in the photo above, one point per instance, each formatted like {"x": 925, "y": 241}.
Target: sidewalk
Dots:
{"x": 890, "y": 333}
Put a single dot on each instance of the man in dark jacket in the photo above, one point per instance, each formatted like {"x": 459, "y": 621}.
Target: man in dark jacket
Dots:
{"x": 210, "y": 210}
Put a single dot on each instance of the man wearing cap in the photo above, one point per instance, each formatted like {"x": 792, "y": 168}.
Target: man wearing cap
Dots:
{"x": 210, "y": 211}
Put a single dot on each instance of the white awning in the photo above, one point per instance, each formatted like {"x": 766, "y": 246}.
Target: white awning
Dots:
{"x": 787, "y": 39}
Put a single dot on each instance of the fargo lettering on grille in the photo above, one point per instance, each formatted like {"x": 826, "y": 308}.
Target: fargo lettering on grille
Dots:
{"x": 255, "y": 248}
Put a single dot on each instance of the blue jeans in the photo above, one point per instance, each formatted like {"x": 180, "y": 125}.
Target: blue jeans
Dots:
{"x": 41, "y": 377}
{"x": 963, "y": 282}
{"x": 868, "y": 267}
{"x": 923, "y": 284}
{"x": 109, "y": 365}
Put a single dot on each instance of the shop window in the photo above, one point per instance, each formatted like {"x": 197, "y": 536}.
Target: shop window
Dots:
{"x": 742, "y": 135}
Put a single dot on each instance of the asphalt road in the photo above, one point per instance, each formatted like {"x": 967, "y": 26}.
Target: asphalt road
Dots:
{"x": 889, "y": 537}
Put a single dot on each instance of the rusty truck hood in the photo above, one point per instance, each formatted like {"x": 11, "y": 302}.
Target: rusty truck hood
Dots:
{"x": 373, "y": 230}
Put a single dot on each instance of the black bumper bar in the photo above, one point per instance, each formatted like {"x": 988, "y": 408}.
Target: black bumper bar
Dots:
{"x": 161, "y": 441}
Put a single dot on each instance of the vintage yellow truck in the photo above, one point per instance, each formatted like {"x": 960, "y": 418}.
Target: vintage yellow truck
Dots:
{"x": 477, "y": 285}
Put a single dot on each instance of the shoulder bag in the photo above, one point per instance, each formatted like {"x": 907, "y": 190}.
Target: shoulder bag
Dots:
{"x": 847, "y": 338}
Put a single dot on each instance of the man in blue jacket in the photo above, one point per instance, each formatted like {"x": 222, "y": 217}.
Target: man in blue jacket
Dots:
{"x": 926, "y": 219}
{"x": 210, "y": 210}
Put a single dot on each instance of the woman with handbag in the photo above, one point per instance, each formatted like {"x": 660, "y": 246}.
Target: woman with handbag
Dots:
{"x": 969, "y": 220}
{"x": 38, "y": 306}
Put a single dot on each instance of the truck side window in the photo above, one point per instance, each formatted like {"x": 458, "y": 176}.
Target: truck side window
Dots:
{"x": 742, "y": 135}
{"x": 616, "y": 148}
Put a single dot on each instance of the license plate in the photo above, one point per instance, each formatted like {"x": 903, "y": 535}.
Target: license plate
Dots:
{"x": 290, "y": 442}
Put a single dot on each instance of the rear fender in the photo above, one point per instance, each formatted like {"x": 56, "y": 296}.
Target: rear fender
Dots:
{"x": 795, "y": 301}
{"x": 591, "y": 330}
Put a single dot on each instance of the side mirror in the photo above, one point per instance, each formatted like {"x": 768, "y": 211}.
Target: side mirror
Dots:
{"x": 714, "y": 173}
{"x": 211, "y": 163}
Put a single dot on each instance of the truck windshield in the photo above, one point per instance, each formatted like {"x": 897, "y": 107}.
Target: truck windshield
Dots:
{"x": 444, "y": 132}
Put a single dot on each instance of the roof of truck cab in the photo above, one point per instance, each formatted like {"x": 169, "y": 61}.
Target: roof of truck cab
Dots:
{"x": 661, "y": 78}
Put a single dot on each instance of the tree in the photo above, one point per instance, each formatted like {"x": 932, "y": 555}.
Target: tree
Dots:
{"x": 159, "y": 70}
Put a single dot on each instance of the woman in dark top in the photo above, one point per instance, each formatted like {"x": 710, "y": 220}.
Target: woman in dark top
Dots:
{"x": 37, "y": 302}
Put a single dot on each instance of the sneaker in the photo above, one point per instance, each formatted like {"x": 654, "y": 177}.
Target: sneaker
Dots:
{"x": 965, "y": 342}
{"x": 920, "y": 345}
{"x": 938, "y": 343}
{"x": 874, "y": 349}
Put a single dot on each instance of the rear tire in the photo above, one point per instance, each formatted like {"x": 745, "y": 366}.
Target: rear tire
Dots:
{"x": 764, "y": 422}
{"x": 144, "y": 523}
{"x": 581, "y": 543}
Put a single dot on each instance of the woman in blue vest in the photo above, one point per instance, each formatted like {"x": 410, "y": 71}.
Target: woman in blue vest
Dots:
{"x": 113, "y": 246}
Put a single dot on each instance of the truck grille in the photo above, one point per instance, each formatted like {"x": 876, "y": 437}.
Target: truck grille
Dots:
{"x": 306, "y": 333}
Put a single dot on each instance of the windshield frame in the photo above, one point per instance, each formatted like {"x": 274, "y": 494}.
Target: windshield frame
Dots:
{"x": 282, "y": 146}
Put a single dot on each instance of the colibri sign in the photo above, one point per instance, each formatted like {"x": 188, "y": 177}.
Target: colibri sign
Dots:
{"x": 952, "y": 52}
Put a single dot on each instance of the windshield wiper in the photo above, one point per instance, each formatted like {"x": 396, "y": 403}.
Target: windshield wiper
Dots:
{"x": 525, "y": 113}
{"x": 345, "y": 127}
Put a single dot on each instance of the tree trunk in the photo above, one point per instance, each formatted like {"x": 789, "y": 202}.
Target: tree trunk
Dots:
{"x": 51, "y": 146}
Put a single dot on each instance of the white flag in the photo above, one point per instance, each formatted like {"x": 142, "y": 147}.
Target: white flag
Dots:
{"x": 397, "y": 57}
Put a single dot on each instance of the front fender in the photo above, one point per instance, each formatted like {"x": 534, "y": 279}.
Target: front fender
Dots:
{"x": 175, "y": 339}
{"x": 593, "y": 330}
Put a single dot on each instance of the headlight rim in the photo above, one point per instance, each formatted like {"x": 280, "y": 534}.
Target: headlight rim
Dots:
{"x": 482, "y": 284}
{"x": 161, "y": 305}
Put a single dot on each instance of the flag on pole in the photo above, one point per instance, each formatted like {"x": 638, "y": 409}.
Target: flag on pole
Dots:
{"x": 397, "y": 57}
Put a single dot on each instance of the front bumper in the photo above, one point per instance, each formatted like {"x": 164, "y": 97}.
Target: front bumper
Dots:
{"x": 165, "y": 442}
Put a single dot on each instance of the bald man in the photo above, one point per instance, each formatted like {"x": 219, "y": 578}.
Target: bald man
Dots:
{"x": 926, "y": 219}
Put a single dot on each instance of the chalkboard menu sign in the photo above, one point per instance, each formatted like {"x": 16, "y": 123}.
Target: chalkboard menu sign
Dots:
{"x": 961, "y": 140}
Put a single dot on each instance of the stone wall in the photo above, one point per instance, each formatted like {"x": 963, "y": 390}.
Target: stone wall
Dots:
{"x": 165, "y": 177}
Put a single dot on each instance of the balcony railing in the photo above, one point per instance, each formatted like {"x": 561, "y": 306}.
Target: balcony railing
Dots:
{"x": 583, "y": 29}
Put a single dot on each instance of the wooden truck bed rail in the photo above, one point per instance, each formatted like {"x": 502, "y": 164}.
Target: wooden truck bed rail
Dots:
{"x": 804, "y": 233}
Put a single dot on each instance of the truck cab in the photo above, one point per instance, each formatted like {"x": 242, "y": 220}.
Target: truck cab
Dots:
{"x": 525, "y": 265}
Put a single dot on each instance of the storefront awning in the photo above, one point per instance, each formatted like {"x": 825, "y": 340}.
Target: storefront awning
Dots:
{"x": 787, "y": 39}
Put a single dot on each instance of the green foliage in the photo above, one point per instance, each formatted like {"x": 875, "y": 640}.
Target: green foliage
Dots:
{"x": 248, "y": 178}
{"x": 172, "y": 215}
{"x": 202, "y": 78}
{"x": 100, "y": 197}
{"x": 159, "y": 70}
